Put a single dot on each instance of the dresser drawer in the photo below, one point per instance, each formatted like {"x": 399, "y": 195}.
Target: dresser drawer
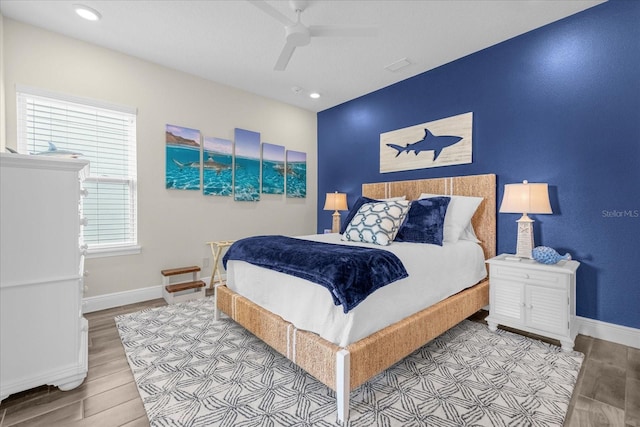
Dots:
{"x": 528, "y": 275}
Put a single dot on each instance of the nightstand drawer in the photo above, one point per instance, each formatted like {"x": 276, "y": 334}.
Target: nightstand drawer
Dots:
{"x": 528, "y": 275}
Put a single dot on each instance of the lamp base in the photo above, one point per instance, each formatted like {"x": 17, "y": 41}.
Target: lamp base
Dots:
{"x": 335, "y": 227}
{"x": 524, "y": 245}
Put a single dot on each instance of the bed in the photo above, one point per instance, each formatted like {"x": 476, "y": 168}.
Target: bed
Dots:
{"x": 344, "y": 363}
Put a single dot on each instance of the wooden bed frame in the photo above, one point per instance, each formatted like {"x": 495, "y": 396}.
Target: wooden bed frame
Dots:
{"x": 344, "y": 369}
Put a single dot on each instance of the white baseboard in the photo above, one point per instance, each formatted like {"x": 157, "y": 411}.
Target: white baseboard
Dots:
{"x": 608, "y": 331}
{"x": 117, "y": 299}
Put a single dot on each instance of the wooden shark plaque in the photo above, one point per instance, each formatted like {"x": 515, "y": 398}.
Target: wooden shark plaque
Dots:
{"x": 441, "y": 142}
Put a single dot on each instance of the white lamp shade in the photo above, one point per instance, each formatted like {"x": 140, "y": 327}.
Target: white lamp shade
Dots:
{"x": 336, "y": 202}
{"x": 526, "y": 198}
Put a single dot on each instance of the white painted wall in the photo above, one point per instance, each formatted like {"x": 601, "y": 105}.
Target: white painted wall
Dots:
{"x": 2, "y": 109}
{"x": 173, "y": 225}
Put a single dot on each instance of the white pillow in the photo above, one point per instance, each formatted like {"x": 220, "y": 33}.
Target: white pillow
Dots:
{"x": 377, "y": 222}
{"x": 458, "y": 216}
{"x": 394, "y": 199}
{"x": 469, "y": 234}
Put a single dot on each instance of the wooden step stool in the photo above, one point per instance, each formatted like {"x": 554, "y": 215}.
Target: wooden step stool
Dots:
{"x": 185, "y": 291}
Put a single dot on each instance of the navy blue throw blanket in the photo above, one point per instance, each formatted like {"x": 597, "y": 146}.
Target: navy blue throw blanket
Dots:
{"x": 350, "y": 273}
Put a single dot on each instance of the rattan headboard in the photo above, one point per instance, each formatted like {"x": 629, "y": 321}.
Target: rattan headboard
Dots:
{"x": 484, "y": 220}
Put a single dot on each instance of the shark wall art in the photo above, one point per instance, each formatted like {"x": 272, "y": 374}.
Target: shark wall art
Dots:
{"x": 441, "y": 142}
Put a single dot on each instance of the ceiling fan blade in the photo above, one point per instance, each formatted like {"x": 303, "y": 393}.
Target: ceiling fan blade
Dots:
{"x": 284, "y": 57}
{"x": 271, "y": 11}
{"x": 329, "y": 31}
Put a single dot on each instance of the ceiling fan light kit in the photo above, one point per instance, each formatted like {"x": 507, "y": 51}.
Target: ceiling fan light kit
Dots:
{"x": 298, "y": 35}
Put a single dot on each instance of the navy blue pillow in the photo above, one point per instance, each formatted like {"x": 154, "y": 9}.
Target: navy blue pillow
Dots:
{"x": 425, "y": 221}
{"x": 354, "y": 210}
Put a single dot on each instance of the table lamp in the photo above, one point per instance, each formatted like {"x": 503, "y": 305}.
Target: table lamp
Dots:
{"x": 336, "y": 202}
{"x": 525, "y": 198}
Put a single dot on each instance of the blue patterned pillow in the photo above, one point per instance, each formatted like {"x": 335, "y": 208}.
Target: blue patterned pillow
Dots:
{"x": 354, "y": 210}
{"x": 377, "y": 222}
{"x": 425, "y": 221}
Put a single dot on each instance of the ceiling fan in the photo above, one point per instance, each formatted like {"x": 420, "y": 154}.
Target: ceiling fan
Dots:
{"x": 297, "y": 34}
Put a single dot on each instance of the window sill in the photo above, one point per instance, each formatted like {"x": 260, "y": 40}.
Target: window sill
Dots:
{"x": 115, "y": 251}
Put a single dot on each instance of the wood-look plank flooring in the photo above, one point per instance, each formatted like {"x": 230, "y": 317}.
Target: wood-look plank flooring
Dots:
{"x": 607, "y": 392}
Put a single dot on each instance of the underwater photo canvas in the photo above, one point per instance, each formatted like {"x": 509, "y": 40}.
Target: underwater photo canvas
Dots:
{"x": 296, "y": 175}
{"x": 217, "y": 166}
{"x": 247, "y": 166}
{"x": 182, "y": 158}
{"x": 273, "y": 168}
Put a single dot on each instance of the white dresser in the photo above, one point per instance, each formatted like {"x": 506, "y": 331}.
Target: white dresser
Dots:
{"x": 43, "y": 335}
{"x": 534, "y": 297}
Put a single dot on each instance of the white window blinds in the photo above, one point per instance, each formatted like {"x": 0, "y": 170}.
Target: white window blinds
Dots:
{"x": 53, "y": 124}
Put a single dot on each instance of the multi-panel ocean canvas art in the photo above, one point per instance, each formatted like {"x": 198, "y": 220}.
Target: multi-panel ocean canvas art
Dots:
{"x": 296, "y": 176}
{"x": 183, "y": 158}
{"x": 217, "y": 166}
{"x": 273, "y": 168}
{"x": 244, "y": 167}
{"x": 246, "y": 171}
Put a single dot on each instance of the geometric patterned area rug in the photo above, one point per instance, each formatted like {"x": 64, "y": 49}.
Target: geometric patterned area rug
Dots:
{"x": 192, "y": 370}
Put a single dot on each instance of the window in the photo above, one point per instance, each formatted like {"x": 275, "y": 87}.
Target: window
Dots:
{"x": 54, "y": 124}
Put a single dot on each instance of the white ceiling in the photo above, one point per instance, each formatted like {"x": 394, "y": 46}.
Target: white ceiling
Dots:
{"x": 235, "y": 43}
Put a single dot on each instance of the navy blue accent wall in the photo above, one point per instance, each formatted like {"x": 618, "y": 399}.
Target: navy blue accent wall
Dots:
{"x": 561, "y": 105}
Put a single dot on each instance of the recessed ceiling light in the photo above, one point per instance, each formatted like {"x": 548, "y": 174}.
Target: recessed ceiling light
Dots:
{"x": 86, "y": 12}
{"x": 314, "y": 95}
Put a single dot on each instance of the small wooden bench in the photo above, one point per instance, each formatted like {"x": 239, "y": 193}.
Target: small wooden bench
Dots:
{"x": 184, "y": 291}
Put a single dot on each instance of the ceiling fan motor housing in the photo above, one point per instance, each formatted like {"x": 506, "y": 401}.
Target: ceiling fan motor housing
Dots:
{"x": 297, "y": 34}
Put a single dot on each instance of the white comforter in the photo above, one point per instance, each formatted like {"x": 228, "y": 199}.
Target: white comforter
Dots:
{"x": 435, "y": 273}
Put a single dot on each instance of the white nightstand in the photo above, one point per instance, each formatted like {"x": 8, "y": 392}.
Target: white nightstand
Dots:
{"x": 534, "y": 297}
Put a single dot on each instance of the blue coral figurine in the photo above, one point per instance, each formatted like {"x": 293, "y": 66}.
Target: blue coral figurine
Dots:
{"x": 546, "y": 255}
